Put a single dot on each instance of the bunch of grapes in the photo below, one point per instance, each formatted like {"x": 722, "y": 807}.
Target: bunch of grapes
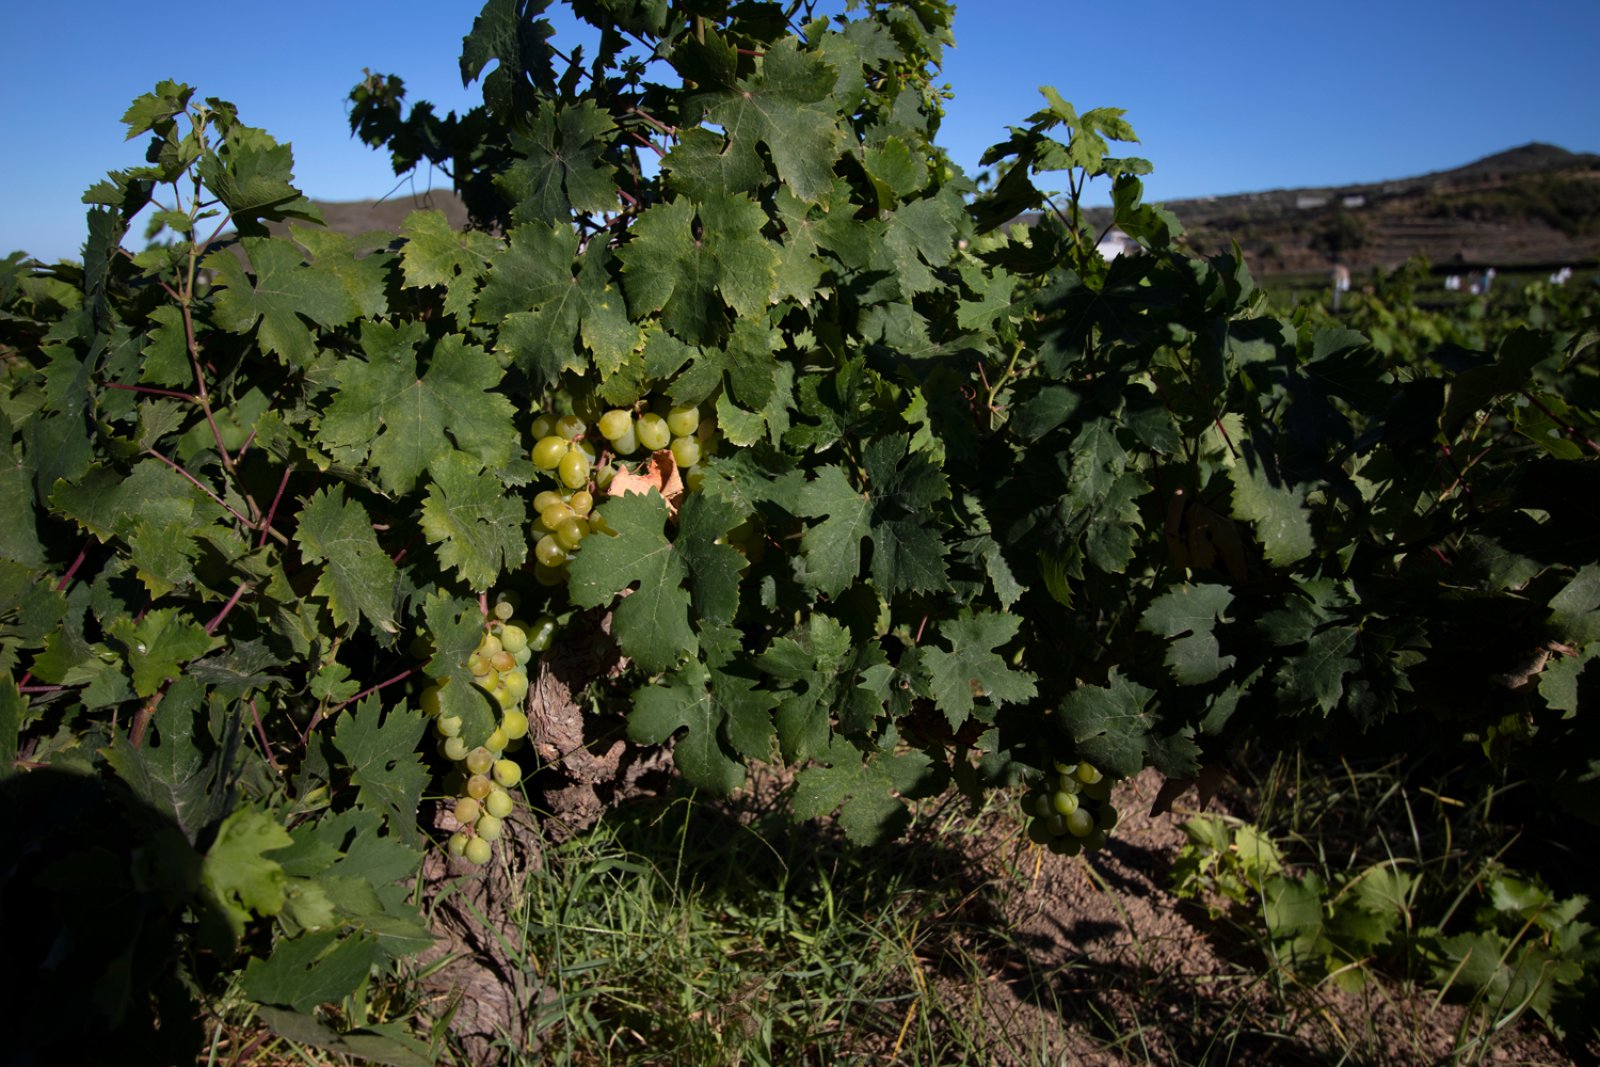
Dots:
{"x": 484, "y": 775}
{"x": 1070, "y": 809}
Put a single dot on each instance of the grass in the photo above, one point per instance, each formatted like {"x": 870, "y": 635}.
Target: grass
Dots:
{"x": 685, "y": 931}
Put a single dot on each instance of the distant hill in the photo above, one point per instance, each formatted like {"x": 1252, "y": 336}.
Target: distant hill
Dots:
{"x": 1530, "y": 206}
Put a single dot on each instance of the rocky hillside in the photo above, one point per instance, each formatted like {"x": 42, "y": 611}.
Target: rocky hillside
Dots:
{"x": 1531, "y": 206}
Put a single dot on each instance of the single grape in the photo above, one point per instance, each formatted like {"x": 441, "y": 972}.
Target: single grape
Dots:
{"x": 1064, "y": 803}
{"x": 1042, "y": 806}
{"x": 569, "y": 426}
{"x": 513, "y": 638}
{"x": 503, "y": 661}
{"x": 685, "y": 451}
{"x": 556, "y": 514}
{"x": 683, "y": 422}
{"x": 488, "y": 827}
{"x": 570, "y": 534}
{"x": 1067, "y": 783}
{"x": 541, "y": 633}
{"x": 543, "y": 426}
{"x": 467, "y": 811}
{"x": 549, "y": 576}
{"x": 549, "y": 551}
{"x": 523, "y": 654}
{"x": 546, "y": 499}
{"x": 1039, "y": 832}
{"x": 1066, "y": 846}
{"x": 581, "y": 503}
{"x": 455, "y": 748}
{"x": 478, "y": 665}
{"x": 574, "y": 470}
{"x": 479, "y": 760}
{"x": 548, "y": 452}
{"x": 478, "y": 786}
{"x": 430, "y": 700}
{"x": 448, "y": 725}
{"x": 515, "y": 725}
{"x": 694, "y": 478}
{"x": 488, "y": 644}
{"x": 516, "y": 686}
{"x": 458, "y": 844}
{"x": 507, "y": 772}
{"x": 1080, "y": 823}
{"x": 496, "y": 741}
{"x": 615, "y": 423}
{"x": 653, "y": 432}
{"x": 478, "y": 851}
{"x": 1064, "y": 768}
{"x": 499, "y": 804}
{"x": 1100, "y": 790}
{"x": 1088, "y": 773}
{"x": 1094, "y": 841}
{"x": 1107, "y": 819}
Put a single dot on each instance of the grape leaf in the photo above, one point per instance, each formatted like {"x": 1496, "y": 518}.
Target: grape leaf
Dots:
{"x": 407, "y": 421}
{"x": 687, "y": 263}
{"x": 652, "y": 623}
{"x": 970, "y": 671}
{"x": 714, "y": 566}
{"x": 871, "y": 813}
{"x": 476, "y": 523}
{"x": 714, "y": 709}
{"x": 455, "y": 628}
{"x": 1575, "y": 611}
{"x": 359, "y": 579}
{"x": 435, "y": 254}
{"x": 170, "y": 771}
{"x": 826, "y": 672}
{"x": 237, "y": 874}
{"x": 282, "y": 292}
{"x": 384, "y": 765}
{"x": 250, "y": 172}
{"x": 779, "y": 109}
{"x": 310, "y": 970}
{"x": 158, "y": 645}
{"x": 1111, "y": 727}
{"x": 1316, "y": 676}
{"x": 1188, "y": 615}
{"x": 560, "y": 166}
{"x": 1278, "y": 512}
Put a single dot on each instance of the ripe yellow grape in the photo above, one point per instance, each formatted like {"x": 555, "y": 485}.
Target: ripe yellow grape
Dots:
{"x": 549, "y": 551}
{"x": 458, "y": 844}
{"x": 515, "y": 725}
{"x": 653, "y": 432}
{"x": 613, "y": 424}
{"x": 556, "y": 514}
{"x": 570, "y": 534}
{"x": 581, "y": 503}
{"x": 477, "y": 851}
{"x": 685, "y": 451}
{"x": 454, "y": 748}
{"x": 479, "y": 760}
{"x": 546, "y": 499}
{"x": 507, "y": 772}
{"x": 478, "y": 786}
{"x": 574, "y": 470}
{"x": 488, "y": 827}
{"x": 467, "y": 810}
{"x": 499, "y": 804}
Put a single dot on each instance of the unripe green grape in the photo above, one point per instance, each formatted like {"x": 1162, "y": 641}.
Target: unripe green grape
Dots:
{"x": 541, "y": 633}
{"x": 454, "y": 748}
{"x": 488, "y": 827}
{"x": 570, "y": 534}
{"x": 1100, "y": 790}
{"x": 515, "y": 725}
{"x": 488, "y": 644}
{"x": 507, "y": 772}
{"x": 569, "y": 426}
{"x": 522, "y": 655}
{"x": 420, "y": 647}
{"x": 574, "y": 470}
{"x": 602, "y": 474}
{"x": 1066, "y": 846}
{"x": 587, "y": 406}
{"x": 1042, "y": 806}
{"x": 1107, "y": 818}
{"x": 516, "y": 686}
{"x": 498, "y": 689}
{"x": 549, "y": 551}
{"x": 549, "y": 576}
{"x": 1039, "y": 832}
{"x": 543, "y": 426}
{"x": 627, "y": 443}
{"x": 1057, "y": 824}
{"x": 1064, "y": 768}
{"x": 590, "y": 453}
{"x": 1080, "y": 823}
{"x": 458, "y": 844}
{"x": 478, "y": 786}
{"x": 556, "y": 514}
{"x": 683, "y": 422}
{"x": 581, "y": 503}
{"x": 496, "y": 741}
{"x": 430, "y": 700}
{"x": 706, "y": 430}
{"x": 467, "y": 811}
{"x": 448, "y": 725}
{"x": 613, "y": 424}
{"x": 499, "y": 804}
{"x": 653, "y": 432}
{"x": 1064, "y": 803}
{"x": 1088, "y": 773}
{"x": 544, "y": 499}
{"x": 513, "y": 638}
{"x": 548, "y": 452}
{"x": 685, "y": 451}
{"x": 479, "y": 760}
{"x": 1094, "y": 841}
{"x": 1067, "y": 783}
{"x": 478, "y": 851}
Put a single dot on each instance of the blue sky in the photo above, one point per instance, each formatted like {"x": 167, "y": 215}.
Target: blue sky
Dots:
{"x": 1227, "y": 96}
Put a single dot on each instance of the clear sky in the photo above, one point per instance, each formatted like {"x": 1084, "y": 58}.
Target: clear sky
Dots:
{"x": 1227, "y": 96}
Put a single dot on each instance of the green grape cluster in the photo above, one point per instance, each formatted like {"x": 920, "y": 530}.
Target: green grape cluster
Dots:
{"x": 485, "y": 775}
{"x": 1070, "y": 811}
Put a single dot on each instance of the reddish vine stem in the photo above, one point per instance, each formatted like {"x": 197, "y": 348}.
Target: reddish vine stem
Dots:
{"x": 266, "y": 524}
{"x": 141, "y": 720}
{"x": 198, "y": 484}
{"x": 211, "y": 627}
{"x": 261, "y": 735}
{"x": 66, "y": 579}
{"x": 1566, "y": 428}
{"x": 174, "y": 393}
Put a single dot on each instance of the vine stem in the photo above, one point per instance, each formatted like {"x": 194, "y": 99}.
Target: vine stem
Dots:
{"x": 211, "y": 627}
{"x": 1567, "y": 428}
{"x": 272, "y": 511}
{"x": 261, "y": 735}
